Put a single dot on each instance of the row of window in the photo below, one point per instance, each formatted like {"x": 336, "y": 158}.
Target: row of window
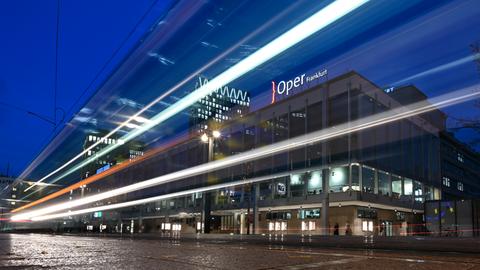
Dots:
{"x": 447, "y": 182}
{"x": 363, "y": 178}
{"x": 93, "y": 138}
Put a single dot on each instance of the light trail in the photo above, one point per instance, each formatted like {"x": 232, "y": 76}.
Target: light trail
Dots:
{"x": 160, "y": 197}
{"x": 298, "y": 33}
{"x": 290, "y": 144}
{"x": 458, "y": 62}
{"x": 96, "y": 177}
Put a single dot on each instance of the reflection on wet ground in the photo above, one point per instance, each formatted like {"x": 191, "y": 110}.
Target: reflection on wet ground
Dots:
{"x": 35, "y": 251}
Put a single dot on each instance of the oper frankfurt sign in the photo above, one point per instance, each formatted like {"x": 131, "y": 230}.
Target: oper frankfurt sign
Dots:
{"x": 285, "y": 87}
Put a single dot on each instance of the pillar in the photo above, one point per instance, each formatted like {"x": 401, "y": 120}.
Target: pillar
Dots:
{"x": 206, "y": 217}
{"x": 325, "y": 201}
{"x": 256, "y": 226}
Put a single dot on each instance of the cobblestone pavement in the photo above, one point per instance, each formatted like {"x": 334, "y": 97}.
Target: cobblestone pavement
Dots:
{"x": 39, "y": 251}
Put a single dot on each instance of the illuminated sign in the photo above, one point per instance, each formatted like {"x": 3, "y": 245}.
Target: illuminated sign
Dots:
{"x": 225, "y": 90}
{"x": 284, "y": 87}
{"x": 281, "y": 189}
{"x": 104, "y": 168}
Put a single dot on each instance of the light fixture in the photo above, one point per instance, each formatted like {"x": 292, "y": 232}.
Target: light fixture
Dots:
{"x": 216, "y": 134}
{"x": 204, "y": 138}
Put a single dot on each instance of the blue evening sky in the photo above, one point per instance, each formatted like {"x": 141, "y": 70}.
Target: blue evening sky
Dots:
{"x": 90, "y": 32}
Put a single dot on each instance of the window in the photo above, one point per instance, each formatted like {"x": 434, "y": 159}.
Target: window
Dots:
{"x": 408, "y": 186}
{"x": 383, "y": 183}
{"x": 339, "y": 179}
{"x": 446, "y": 181}
{"x": 309, "y": 213}
{"x": 368, "y": 179}
{"x": 460, "y": 157}
{"x": 367, "y": 226}
{"x": 315, "y": 183}
{"x": 367, "y": 213}
{"x": 296, "y": 185}
{"x": 279, "y": 215}
{"x": 355, "y": 177}
{"x": 460, "y": 186}
{"x": 418, "y": 191}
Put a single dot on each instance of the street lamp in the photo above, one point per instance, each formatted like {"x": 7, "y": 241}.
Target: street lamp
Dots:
{"x": 208, "y": 138}
{"x": 204, "y": 138}
{"x": 216, "y": 134}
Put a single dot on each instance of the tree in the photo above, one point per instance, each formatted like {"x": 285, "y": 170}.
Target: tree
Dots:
{"x": 471, "y": 123}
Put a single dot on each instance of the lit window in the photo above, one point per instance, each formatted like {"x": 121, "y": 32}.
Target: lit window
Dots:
{"x": 460, "y": 186}
{"x": 367, "y": 226}
{"x": 446, "y": 181}
{"x": 460, "y": 157}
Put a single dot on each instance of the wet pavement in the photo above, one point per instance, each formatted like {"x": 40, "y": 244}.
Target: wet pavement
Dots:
{"x": 43, "y": 251}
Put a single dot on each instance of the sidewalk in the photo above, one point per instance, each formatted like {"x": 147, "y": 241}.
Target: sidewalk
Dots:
{"x": 405, "y": 243}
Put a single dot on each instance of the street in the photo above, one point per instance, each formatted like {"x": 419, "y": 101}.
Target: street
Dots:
{"x": 39, "y": 251}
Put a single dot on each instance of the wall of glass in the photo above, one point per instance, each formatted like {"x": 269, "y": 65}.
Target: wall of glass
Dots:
{"x": 368, "y": 179}
{"x": 355, "y": 177}
{"x": 397, "y": 186}
{"x": 338, "y": 181}
{"x": 384, "y": 183}
{"x": 314, "y": 185}
{"x": 297, "y": 185}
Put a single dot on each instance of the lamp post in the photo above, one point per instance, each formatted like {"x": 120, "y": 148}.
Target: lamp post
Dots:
{"x": 209, "y": 139}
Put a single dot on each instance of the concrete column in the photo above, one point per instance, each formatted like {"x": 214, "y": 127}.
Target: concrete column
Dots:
{"x": 256, "y": 226}
{"x": 390, "y": 192}
{"x": 325, "y": 202}
{"x": 206, "y": 217}
{"x": 274, "y": 188}
{"x": 207, "y": 198}
{"x": 140, "y": 224}
{"x": 242, "y": 224}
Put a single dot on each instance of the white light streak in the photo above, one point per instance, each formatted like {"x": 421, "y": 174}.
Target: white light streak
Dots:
{"x": 458, "y": 62}
{"x": 157, "y": 198}
{"x": 141, "y": 119}
{"x": 131, "y": 125}
{"x": 290, "y": 144}
{"x": 303, "y": 30}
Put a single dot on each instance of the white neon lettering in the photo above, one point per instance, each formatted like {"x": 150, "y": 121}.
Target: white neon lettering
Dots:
{"x": 283, "y": 87}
